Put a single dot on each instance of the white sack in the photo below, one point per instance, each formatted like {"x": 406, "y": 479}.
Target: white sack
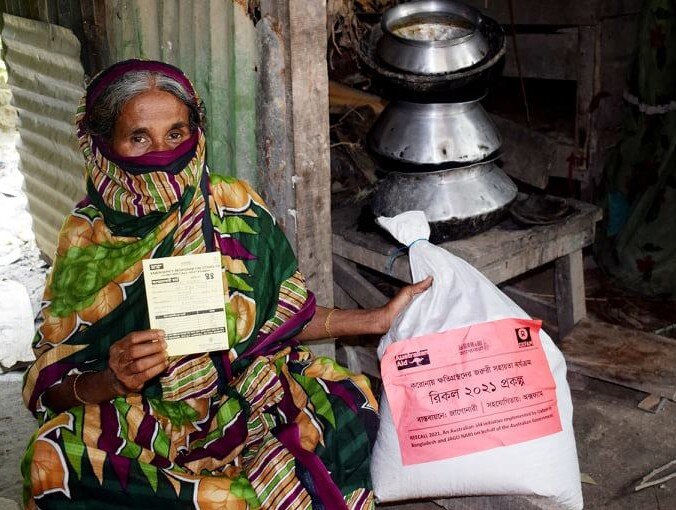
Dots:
{"x": 462, "y": 296}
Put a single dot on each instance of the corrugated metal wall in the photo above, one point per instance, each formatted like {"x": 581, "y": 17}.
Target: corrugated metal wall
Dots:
{"x": 46, "y": 80}
{"x": 213, "y": 41}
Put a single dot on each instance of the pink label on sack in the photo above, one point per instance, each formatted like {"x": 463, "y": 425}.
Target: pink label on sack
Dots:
{"x": 470, "y": 389}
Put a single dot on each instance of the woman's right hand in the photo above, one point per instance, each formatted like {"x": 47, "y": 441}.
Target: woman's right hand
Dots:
{"x": 137, "y": 358}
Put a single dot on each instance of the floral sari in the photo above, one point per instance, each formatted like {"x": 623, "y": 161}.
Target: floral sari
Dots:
{"x": 261, "y": 425}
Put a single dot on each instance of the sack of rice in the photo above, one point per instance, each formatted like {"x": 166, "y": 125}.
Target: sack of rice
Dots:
{"x": 476, "y": 400}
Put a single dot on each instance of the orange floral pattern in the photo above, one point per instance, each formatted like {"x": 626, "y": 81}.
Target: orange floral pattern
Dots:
{"x": 245, "y": 310}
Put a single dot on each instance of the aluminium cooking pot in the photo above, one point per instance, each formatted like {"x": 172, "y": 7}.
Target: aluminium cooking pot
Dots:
{"x": 457, "y": 202}
{"x": 396, "y": 83}
{"x": 432, "y": 37}
{"x": 434, "y": 134}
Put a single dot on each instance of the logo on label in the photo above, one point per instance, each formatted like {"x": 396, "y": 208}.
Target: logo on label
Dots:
{"x": 523, "y": 337}
{"x": 412, "y": 359}
{"x": 473, "y": 346}
{"x": 156, "y": 266}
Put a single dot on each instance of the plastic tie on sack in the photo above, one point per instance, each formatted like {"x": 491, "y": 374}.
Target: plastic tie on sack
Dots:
{"x": 398, "y": 253}
{"x": 408, "y": 228}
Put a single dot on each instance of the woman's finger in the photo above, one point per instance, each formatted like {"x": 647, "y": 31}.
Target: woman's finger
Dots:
{"x": 135, "y": 345}
{"x": 422, "y": 286}
{"x": 141, "y": 365}
{"x": 138, "y": 351}
{"x": 136, "y": 381}
{"x": 155, "y": 371}
{"x": 136, "y": 374}
{"x": 139, "y": 337}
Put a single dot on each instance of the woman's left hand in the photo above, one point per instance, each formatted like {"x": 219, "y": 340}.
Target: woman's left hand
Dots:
{"x": 401, "y": 300}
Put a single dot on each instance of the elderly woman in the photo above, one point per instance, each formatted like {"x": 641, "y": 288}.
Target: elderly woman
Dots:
{"x": 263, "y": 424}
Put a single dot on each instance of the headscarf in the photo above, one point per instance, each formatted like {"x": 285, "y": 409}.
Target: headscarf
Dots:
{"x": 158, "y": 205}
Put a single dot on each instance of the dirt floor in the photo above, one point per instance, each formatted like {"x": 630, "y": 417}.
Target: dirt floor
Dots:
{"x": 617, "y": 445}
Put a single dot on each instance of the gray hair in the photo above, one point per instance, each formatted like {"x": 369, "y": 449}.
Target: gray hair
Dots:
{"x": 107, "y": 107}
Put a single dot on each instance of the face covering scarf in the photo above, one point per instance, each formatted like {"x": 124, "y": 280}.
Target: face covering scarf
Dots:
{"x": 264, "y": 424}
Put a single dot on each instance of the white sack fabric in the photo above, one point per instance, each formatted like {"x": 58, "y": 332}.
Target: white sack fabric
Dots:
{"x": 461, "y": 296}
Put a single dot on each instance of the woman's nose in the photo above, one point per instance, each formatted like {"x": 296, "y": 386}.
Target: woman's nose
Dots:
{"x": 160, "y": 145}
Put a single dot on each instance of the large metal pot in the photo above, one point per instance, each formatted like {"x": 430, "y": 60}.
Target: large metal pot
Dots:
{"x": 458, "y": 202}
{"x": 433, "y": 87}
{"x": 432, "y": 37}
{"x": 434, "y": 134}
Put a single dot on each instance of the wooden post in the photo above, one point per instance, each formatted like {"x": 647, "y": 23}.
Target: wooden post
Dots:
{"x": 587, "y": 89}
{"x": 301, "y": 29}
{"x": 569, "y": 290}
{"x": 363, "y": 292}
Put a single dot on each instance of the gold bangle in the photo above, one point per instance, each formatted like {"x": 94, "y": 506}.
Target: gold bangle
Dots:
{"x": 77, "y": 397}
{"x": 327, "y": 321}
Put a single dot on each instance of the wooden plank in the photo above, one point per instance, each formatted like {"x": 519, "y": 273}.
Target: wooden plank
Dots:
{"x": 549, "y": 56}
{"x": 652, "y": 404}
{"x": 537, "y": 308}
{"x": 350, "y": 248}
{"x": 533, "y": 167}
{"x": 359, "y": 359}
{"x": 274, "y": 126}
{"x": 97, "y": 54}
{"x": 481, "y": 249}
{"x": 617, "y": 42}
{"x": 342, "y": 97}
{"x": 512, "y": 264}
{"x": 555, "y": 12}
{"x": 569, "y": 290}
{"x": 534, "y": 306}
{"x": 357, "y": 287}
{"x": 302, "y": 29}
{"x": 501, "y": 253}
{"x": 342, "y": 299}
{"x": 586, "y": 86}
{"x": 628, "y": 357}
{"x": 535, "y": 255}
{"x": 310, "y": 110}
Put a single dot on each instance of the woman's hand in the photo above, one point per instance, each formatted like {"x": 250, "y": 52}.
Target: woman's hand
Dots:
{"x": 401, "y": 300}
{"x": 137, "y": 358}
{"x": 335, "y": 322}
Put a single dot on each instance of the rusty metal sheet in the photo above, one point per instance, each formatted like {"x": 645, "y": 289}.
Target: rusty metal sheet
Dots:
{"x": 46, "y": 79}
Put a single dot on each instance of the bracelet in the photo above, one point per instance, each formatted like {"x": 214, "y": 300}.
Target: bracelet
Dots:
{"x": 115, "y": 383}
{"x": 78, "y": 397}
{"x": 327, "y": 321}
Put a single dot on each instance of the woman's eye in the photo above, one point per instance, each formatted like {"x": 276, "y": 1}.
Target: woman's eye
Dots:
{"x": 138, "y": 139}
{"x": 175, "y": 135}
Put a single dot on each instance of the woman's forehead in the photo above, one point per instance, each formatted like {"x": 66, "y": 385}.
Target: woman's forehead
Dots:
{"x": 153, "y": 108}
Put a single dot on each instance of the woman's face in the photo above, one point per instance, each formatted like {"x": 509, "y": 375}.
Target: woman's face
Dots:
{"x": 154, "y": 120}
